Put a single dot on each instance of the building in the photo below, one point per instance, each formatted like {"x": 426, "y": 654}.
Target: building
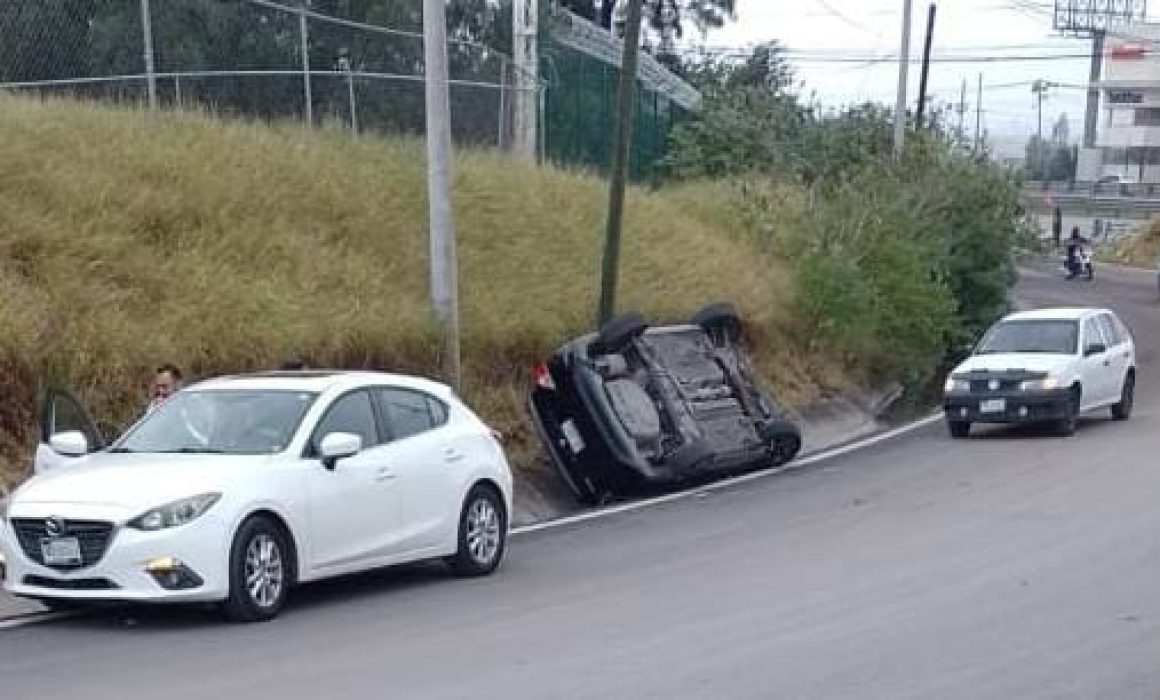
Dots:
{"x": 1128, "y": 141}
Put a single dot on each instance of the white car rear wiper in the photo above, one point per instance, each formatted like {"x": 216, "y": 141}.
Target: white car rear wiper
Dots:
{"x": 192, "y": 451}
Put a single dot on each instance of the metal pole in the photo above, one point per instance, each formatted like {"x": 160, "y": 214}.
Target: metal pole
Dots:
{"x": 979, "y": 115}
{"x": 962, "y": 135}
{"x": 150, "y": 69}
{"x": 444, "y": 268}
{"x": 1092, "y": 112}
{"x": 502, "y": 102}
{"x": 903, "y": 67}
{"x": 1040, "y": 88}
{"x": 304, "y": 36}
{"x": 925, "y": 65}
{"x": 353, "y": 103}
{"x": 626, "y": 102}
{"x": 525, "y": 30}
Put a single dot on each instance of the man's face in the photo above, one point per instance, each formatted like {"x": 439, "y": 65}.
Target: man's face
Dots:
{"x": 164, "y": 386}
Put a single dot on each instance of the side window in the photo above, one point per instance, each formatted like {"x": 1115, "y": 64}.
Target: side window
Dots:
{"x": 1091, "y": 333}
{"x": 1111, "y": 332}
{"x": 410, "y": 412}
{"x": 352, "y": 413}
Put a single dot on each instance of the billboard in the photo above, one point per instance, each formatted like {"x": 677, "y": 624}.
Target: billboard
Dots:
{"x": 1085, "y": 17}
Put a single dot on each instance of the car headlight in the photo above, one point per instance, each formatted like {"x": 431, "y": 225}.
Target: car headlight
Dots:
{"x": 175, "y": 514}
{"x": 1049, "y": 384}
{"x": 956, "y": 386}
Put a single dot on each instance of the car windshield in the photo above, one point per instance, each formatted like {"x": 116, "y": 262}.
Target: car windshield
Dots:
{"x": 221, "y": 422}
{"x": 1050, "y": 337}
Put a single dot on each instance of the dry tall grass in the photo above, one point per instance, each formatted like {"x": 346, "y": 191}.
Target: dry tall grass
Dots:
{"x": 1141, "y": 249}
{"x": 129, "y": 239}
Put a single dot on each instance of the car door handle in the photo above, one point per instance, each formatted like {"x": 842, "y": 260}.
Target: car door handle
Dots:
{"x": 452, "y": 455}
{"x": 384, "y": 474}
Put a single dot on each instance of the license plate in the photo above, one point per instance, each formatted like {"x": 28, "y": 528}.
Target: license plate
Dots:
{"x": 572, "y": 435}
{"x": 61, "y": 551}
{"x": 993, "y": 406}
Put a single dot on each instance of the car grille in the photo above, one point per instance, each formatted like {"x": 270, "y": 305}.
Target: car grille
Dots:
{"x": 92, "y": 535}
{"x": 983, "y": 386}
{"x": 77, "y": 584}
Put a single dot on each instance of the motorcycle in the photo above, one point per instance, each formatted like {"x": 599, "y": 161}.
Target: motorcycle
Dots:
{"x": 1079, "y": 265}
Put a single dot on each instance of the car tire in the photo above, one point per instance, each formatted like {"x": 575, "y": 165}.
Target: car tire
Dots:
{"x": 959, "y": 429}
{"x": 482, "y": 533}
{"x": 722, "y": 317}
{"x": 1123, "y": 409}
{"x": 1067, "y": 426}
{"x": 618, "y": 332}
{"x": 784, "y": 449}
{"x": 261, "y": 571}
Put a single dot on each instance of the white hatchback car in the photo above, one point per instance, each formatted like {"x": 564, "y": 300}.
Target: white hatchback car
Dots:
{"x": 240, "y": 487}
{"x": 1050, "y": 365}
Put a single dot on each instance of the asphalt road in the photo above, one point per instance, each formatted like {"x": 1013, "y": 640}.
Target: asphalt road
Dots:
{"x": 1012, "y": 565}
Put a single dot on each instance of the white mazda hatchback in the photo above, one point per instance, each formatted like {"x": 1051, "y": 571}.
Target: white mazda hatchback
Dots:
{"x": 240, "y": 487}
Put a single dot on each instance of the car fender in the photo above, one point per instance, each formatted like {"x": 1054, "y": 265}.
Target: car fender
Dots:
{"x": 296, "y": 525}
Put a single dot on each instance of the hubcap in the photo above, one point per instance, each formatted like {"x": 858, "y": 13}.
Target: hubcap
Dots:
{"x": 264, "y": 571}
{"x": 483, "y": 531}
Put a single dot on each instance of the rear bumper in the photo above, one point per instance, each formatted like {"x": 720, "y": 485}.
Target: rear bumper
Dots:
{"x": 1018, "y": 407}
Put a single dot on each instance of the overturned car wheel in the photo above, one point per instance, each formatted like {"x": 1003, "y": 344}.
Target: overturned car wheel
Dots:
{"x": 721, "y": 317}
{"x": 619, "y": 332}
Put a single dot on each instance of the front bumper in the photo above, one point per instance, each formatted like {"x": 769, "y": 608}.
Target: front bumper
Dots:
{"x": 120, "y": 575}
{"x": 1016, "y": 407}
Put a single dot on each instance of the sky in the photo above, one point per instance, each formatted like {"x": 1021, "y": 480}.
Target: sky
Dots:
{"x": 870, "y": 31}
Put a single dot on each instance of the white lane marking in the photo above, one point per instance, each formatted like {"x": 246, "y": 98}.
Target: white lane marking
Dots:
{"x": 33, "y": 619}
{"x": 39, "y": 618}
{"x": 719, "y": 485}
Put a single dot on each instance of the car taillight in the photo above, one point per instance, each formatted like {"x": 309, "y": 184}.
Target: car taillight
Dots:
{"x": 542, "y": 377}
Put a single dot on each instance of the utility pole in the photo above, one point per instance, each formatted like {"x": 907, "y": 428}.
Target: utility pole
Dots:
{"x": 626, "y": 103}
{"x": 147, "y": 38}
{"x": 979, "y": 117}
{"x": 925, "y": 64}
{"x": 903, "y": 67}
{"x": 444, "y": 268}
{"x": 304, "y": 46}
{"x": 1092, "y": 111}
{"x": 525, "y": 113}
{"x": 1040, "y": 88}
{"x": 962, "y": 131}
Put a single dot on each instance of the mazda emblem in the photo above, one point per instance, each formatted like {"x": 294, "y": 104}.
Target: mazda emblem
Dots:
{"x": 54, "y": 526}
{"x": 994, "y": 385}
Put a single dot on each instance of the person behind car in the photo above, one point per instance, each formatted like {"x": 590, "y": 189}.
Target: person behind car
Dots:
{"x": 166, "y": 382}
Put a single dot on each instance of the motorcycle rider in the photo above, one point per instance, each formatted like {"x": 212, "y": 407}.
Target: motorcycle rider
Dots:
{"x": 1074, "y": 244}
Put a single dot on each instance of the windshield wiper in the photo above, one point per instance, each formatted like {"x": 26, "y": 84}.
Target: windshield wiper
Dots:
{"x": 121, "y": 450}
{"x": 192, "y": 451}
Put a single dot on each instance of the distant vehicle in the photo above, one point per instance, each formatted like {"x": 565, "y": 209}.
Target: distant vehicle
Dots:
{"x": 635, "y": 406}
{"x": 1046, "y": 366}
{"x": 238, "y": 488}
{"x": 1116, "y": 179}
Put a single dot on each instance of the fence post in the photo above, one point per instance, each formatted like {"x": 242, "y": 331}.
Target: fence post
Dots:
{"x": 502, "y": 102}
{"x": 304, "y": 36}
{"x": 147, "y": 38}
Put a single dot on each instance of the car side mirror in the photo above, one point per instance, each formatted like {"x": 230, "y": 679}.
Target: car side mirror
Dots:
{"x": 1096, "y": 349}
{"x": 72, "y": 443}
{"x": 336, "y": 446}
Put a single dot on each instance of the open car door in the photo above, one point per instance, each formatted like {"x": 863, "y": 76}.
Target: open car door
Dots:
{"x": 61, "y": 412}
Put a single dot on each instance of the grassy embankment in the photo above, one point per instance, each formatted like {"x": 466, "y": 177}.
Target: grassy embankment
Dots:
{"x": 127, "y": 240}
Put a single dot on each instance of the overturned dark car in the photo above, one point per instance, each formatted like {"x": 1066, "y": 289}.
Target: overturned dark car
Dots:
{"x": 634, "y": 407}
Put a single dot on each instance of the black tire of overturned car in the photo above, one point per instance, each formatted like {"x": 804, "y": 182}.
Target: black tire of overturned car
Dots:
{"x": 721, "y": 317}
{"x": 618, "y": 332}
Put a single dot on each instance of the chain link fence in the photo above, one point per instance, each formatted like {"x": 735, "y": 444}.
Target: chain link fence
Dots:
{"x": 257, "y": 58}
{"x": 279, "y": 59}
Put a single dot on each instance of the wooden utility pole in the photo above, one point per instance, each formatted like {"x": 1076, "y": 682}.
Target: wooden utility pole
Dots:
{"x": 626, "y": 104}
{"x": 925, "y": 65}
